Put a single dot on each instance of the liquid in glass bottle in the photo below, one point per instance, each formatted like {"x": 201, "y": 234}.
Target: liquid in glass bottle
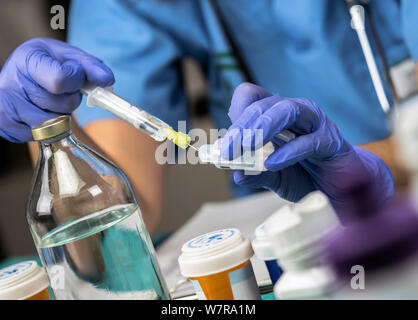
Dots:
{"x": 86, "y": 223}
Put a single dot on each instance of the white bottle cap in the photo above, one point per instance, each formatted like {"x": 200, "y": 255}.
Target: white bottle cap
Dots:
{"x": 214, "y": 252}
{"x": 261, "y": 244}
{"x": 22, "y": 280}
{"x": 295, "y": 228}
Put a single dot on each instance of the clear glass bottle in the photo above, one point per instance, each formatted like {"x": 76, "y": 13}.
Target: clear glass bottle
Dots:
{"x": 86, "y": 223}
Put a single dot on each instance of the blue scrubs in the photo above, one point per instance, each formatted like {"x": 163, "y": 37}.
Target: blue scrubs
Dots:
{"x": 298, "y": 48}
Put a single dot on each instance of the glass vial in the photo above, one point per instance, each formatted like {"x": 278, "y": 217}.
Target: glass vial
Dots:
{"x": 86, "y": 223}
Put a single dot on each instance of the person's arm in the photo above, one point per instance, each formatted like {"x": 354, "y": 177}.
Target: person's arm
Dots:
{"x": 387, "y": 151}
{"x": 134, "y": 153}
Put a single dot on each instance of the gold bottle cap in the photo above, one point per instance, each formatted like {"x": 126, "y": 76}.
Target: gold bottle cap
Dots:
{"x": 51, "y": 128}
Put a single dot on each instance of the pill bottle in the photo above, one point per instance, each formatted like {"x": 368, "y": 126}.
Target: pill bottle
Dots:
{"x": 297, "y": 234}
{"x": 24, "y": 281}
{"x": 218, "y": 263}
{"x": 264, "y": 251}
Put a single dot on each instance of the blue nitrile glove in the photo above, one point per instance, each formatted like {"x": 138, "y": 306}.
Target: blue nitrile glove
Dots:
{"x": 319, "y": 158}
{"x": 41, "y": 80}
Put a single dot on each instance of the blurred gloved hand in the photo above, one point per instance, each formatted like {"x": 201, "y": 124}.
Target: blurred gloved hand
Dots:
{"x": 40, "y": 81}
{"x": 319, "y": 158}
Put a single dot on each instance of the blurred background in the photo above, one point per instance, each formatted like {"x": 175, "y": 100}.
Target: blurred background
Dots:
{"x": 187, "y": 186}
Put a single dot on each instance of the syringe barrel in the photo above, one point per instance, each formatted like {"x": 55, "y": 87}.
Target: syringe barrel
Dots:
{"x": 139, "y": 118}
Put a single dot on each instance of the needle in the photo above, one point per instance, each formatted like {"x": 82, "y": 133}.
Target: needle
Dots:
{"x": 193, "y": 147}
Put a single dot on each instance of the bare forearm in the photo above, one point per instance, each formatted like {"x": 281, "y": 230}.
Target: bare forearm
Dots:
{"x": 386, "y": 149}
{"x": 134, "y": 153}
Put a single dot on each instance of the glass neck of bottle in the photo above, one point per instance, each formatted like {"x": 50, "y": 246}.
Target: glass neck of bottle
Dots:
{"x": 56, "y": 142}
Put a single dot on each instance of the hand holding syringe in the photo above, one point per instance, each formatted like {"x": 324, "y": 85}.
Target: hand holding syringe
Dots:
{"x": 159, "y": 130}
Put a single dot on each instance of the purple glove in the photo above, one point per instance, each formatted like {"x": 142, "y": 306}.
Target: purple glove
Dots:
{"x": 41, "y": 80}
{"x": 319, "y": 158}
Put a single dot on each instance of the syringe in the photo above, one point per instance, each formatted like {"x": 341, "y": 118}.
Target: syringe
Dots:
{"x": 139, "y": 118}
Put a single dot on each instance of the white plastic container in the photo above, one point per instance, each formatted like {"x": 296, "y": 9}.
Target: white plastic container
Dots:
{"x": 218, "y": 263}
{"x": 296, "y": 233}
{"x": 252, "y": 161}
{"x": 264, "y": 251}
{"x": 248, "y": 161}
{"x": 24, "y": 281}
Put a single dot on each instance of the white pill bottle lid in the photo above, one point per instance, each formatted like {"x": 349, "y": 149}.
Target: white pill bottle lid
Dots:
{"x": 295, "y": 231}
{"x": 22, "y": 280}
{"x": 214, "y": 252}
{"x": 261, "y": 244}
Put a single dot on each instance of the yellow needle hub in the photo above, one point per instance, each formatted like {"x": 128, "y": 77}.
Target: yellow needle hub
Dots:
{"x": 179, "y": 138}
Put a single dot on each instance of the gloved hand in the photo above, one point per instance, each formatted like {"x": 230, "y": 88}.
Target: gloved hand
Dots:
{"x": 319, "y": 158}
{"x": 40, "y": 81}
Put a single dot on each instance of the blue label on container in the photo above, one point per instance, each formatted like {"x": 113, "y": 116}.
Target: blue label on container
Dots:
{"x": 241, "y": 275}
{"x": 274, "y": 270}
{"x": 243, "y": 284}
{"x": 15, "y": 270}
{"x": 211, "y": 238}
